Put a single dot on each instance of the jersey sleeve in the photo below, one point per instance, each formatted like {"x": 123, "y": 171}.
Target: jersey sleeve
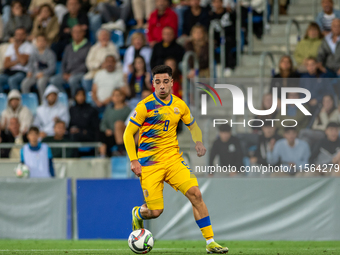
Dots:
{"x": 187, "y": 118}
{"x": 139, "y": 115}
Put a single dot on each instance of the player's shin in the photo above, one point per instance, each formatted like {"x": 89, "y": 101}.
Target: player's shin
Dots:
{"x": 206, "y": 229}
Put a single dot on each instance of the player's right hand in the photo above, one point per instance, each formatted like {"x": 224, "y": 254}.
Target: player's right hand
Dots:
{"x": 136, "y": 168}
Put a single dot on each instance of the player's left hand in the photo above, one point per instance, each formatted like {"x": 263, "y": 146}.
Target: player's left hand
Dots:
{"x": 201, "y": 150}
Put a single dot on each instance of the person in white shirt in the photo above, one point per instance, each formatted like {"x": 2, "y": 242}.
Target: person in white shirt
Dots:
{"x": 105, "y": 81}
{"x": 16, "y": 60}
{"x": 49, "y": 112}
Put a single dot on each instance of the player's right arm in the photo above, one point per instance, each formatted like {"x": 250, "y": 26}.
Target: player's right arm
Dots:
{"x": 136, "y": 120}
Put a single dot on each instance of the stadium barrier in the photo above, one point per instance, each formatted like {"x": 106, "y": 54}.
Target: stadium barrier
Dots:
{"x": 289, "y": 25}
{"x": 256, "y": 209}
{"x": 215, "y": 25}
{"x": 63, "y": 146}
{"x": 35, "y": 208}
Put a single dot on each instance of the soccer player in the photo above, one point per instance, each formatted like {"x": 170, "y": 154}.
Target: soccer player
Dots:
{"x": 158, "y": 161}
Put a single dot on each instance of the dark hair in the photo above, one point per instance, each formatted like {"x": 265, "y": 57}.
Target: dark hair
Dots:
{"x": 161, "y": 69}
{"x": 225, "y": 128}
{"x": 22, "y": 28}
{"x": 316, "y": 26}
{"x": 59, "y": 121}
{"x": 291, "y": 70}
{"x": 287, "y": 129}
{"x": 48, "y": 7}
{"x": 33, "y": 129}
{"x": 132, "y": 78}
{"x": 176, "y": 75}
{"x": 332, "y": 125}
{"x": 267, "y": 124}
{"x": 21, "y": 4}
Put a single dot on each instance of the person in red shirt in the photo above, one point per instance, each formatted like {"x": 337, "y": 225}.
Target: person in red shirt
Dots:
{"x": 162, "y": 17}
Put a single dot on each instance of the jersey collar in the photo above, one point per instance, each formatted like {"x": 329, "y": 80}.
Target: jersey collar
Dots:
{"x": 161, "y": 102}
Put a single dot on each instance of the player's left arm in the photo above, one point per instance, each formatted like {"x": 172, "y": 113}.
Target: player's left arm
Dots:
{"x": 195, "y": 131}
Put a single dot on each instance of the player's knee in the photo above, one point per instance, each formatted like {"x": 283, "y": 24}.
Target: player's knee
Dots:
{"x": 195, "y": 195}
{"x": 156, "y": 213}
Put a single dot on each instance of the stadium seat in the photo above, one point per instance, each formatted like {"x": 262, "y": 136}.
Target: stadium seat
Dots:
{"x": 31, "y": 101}
{"x": 62, "y": 98}
{"x": 118, "y": 167}
{"x": 3, "y": 102}
{"x": 117, "y": 37}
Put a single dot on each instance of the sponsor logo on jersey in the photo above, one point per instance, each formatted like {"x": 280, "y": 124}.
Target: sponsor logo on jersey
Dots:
{"x": 176, "y": 110}
{"x": 134, "y": 114}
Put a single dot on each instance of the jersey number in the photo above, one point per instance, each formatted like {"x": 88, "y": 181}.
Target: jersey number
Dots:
{"x": 166, "y": 125}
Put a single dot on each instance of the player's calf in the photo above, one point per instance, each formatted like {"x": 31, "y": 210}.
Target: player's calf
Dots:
{"x": 146, "y": 213}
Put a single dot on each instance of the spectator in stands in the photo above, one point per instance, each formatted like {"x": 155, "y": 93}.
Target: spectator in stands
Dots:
{"x": 292, "y": 112}
{"x": 18, "y": 19}
{"x": 327, "y": 150}
{"x": 267, "y": 137}
{"x": 13, "y": 135}
{"x": 33, "y": 150}
{"x": 286, "y": 71}
{"x": 46, "y": 23}
{"x": 326, "y": 17}
{"x": 35, "y": 6}
{"x": 313, "y": 81}
{"x": 59, "y": 137}
{"x": 193, "y": 16}
{"x": 327, "y": 114}
{"x": 166, "y": 48}
{"x": 15, "y": 109}
{"x": 199, "y": 44}
{"x": 289, "y": 151}
{"x": 227, "y": 17}
{"x": 176, "y": 76}
{"x": 97, "y": 55}
{"x": 162, "y": 17}
{"x": 309, "y": 46}
{"x": 50, "y": 111}
{"x": 84, "y": 119}
{"x": 258, "y": 8}
{"x": 41, "y": 66}
{"x": 138, "y": 47}
{"x": 228, "y": 148}
{"x": 74, "y": 17}
{"x": 114, "y": 16}
{"x": 138, "y": 81}
{"x": 16, "y": 59}
{"x": 112, "y": 125}
{"x": 142, "y": 10}
{"x": 267, "y": 103}
{"x": 105, "y": 81}
{"x": 73, "y": 64}
{"x": 329, "y": 52}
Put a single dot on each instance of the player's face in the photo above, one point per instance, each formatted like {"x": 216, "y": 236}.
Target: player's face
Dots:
{"x": 162, "y": 84}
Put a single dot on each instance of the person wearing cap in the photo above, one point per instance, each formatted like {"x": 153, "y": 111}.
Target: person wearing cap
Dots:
{"x": 50, "y": 112}
{"x": 15, "y": 109}
{"x": 327, "y": 150}
{"x": 228, "y": 148}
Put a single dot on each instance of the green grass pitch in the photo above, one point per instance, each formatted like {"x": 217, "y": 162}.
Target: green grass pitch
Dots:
{"x": 114, "y": 247}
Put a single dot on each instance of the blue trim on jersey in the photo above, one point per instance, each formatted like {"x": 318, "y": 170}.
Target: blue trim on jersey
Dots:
{"x": 161, "y": 102}
{"x": 192, "y": 122}
{"x": 204, "y": 222}
{"x": 134, "y": 122}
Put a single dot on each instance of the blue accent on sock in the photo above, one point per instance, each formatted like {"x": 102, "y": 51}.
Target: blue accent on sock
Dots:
{"x": 140, "y": 214}
{"x": 204, "y": 222}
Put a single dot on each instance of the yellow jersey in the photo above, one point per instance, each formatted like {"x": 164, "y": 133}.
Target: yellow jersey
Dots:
{"x": 157, "y": 121}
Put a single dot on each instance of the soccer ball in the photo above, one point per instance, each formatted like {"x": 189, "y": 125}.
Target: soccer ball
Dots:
{"x": 141, "y": 241}
{"x": 22, "y": 171}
